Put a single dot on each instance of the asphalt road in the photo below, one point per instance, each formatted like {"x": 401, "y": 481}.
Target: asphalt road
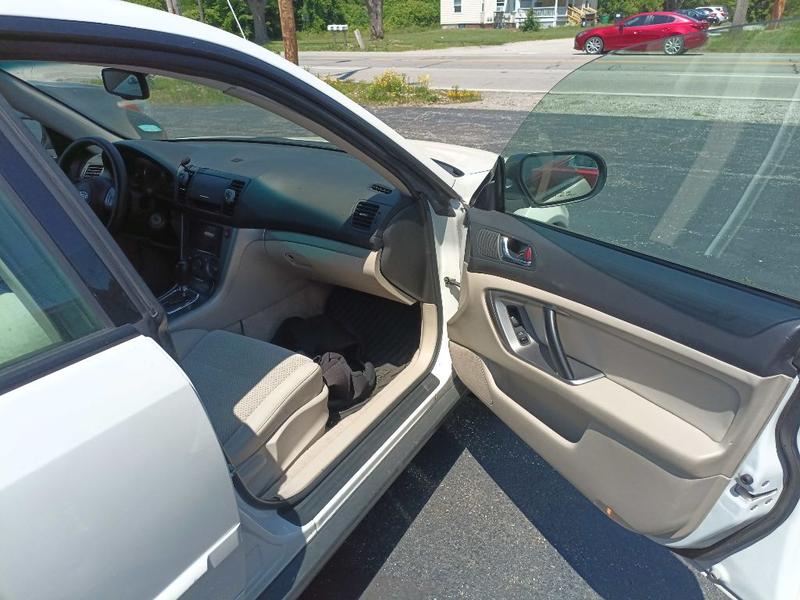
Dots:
{"x": 536, "y": 67}
{"x": 522, "y": 66}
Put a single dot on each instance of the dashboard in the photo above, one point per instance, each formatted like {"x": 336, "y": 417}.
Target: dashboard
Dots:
{"x": 298, "y": 187}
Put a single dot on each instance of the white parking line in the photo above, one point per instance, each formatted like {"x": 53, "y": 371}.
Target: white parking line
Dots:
{"x": 655, "y": 95}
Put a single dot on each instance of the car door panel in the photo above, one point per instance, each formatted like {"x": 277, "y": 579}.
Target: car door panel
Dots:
{"x": 115, "y": 473}
{"x": 663, "y": 405}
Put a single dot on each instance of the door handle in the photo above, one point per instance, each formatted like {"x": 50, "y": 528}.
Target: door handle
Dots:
{"x": 554, "y": 343}
{"x": 516, "y": 252}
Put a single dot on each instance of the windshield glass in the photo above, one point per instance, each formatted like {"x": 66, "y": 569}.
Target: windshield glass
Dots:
{"x": 176, "y": 108}
{"x": 703, "y": 168}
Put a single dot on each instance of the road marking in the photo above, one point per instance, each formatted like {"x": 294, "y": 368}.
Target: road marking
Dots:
{"x": 739, "y": 75}
{"x": 697, "y": 96}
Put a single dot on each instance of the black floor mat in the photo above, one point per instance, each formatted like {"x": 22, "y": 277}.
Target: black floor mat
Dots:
{"x": 389, "y": 331}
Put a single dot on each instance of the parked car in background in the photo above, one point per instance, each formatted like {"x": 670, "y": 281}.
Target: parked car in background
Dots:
{"x": 709, "y": 14}
{"x": 698, "y": 15}
{"x": 719, "y": 12}
{"x": 671, "y": 32}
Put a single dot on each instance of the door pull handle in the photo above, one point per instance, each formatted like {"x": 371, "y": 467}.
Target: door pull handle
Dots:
{"x": 554, "y": 342}
{"x": 515, "y": 252}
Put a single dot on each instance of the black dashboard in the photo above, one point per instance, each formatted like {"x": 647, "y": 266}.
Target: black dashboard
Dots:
{"x": 298, "y": 187}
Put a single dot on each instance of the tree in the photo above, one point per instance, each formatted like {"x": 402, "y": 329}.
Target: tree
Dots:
{"x": 777, "y": 10}
{"x": 375, "y": 12}
{"x": 173, "y": 6}
{"x": 740, "y": 14}
{"x": 259, "y": 10}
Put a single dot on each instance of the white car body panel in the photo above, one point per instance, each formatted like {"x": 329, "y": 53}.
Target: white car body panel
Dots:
{"x": 767, "y": 570}
{"x": 111, "y": 472}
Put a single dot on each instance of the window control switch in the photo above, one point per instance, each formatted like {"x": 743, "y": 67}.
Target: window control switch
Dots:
{"x": 522, "y": 336}
{"x": 513, "y": 316}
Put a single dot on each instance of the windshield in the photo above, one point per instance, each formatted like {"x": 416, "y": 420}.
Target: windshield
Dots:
{"x": 701, "y": 151}
{"x": 176, "y": 108}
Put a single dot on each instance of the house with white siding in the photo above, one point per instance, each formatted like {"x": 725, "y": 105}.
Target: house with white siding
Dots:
{"x": 507, "y": 13}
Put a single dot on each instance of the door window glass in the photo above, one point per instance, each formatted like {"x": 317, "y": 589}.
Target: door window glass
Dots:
{"x": 636, "y": 21}
{"x": 176, "y": 108}
{"x": 661, "y": 20}
{"x": 701, "y": 150}
{"x": 40, "y": 308}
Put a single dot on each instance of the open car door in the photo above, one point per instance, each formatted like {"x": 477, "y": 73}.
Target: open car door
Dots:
{"x": 649, "y": 352}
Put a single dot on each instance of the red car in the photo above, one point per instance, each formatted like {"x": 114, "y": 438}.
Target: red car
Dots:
{"x": 668, "y": 31}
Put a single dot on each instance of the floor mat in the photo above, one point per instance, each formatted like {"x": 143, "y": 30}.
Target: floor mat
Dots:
{"x": 389, "y": 331}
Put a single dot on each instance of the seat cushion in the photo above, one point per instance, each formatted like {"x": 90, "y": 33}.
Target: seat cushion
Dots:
{"x": 248, "y": 387}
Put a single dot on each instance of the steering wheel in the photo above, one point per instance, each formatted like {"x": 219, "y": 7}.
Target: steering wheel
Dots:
{"x": 106, "y": 196}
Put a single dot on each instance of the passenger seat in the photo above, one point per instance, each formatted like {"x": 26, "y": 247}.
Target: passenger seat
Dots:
{"x": 266, "y": 403}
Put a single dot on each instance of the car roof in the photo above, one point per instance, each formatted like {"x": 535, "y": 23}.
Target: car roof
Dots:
{"x": 127, "y": 14}
{"x": 657, "y": 12}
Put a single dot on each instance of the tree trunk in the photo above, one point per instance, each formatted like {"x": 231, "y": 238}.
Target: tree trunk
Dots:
{"x": 288, "y": 30}
{"x": 375, "y": 12}
{"x": 174, "y": 7}
{"x": 201, "y": 9}
{"x": 259, "y": 10}
{"x": 740, "y": 14}
{"x": 777, "y": 13}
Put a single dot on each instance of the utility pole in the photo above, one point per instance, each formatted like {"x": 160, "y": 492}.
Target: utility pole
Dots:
{"x": 288, "y": 30}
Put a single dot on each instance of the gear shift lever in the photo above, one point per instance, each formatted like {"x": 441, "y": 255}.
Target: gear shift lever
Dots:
{"x": 181, "y": 295}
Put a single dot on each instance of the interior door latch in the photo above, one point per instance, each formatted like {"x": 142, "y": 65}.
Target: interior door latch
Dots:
{"x": 516, "y": 252}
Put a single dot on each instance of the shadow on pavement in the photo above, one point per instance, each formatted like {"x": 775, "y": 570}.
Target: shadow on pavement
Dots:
{"x": 615, "y": 563}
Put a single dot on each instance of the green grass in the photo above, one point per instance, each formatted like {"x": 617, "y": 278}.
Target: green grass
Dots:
{"x": 394, "y": 89}
{"x": 177, "y": 92}
{"x": 425, "y": 39}
{"x": 387, "y": 89}
{"x": 784, "y": 39}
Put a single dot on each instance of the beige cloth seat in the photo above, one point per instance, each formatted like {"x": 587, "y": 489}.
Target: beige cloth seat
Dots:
{"x": 250, "y": 388}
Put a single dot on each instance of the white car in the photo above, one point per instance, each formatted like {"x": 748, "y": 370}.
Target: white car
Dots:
{"x": 720, "y": 12}
{"x": 164, "y": 427}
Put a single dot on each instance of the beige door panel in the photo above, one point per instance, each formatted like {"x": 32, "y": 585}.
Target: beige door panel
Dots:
{"x": 658, "y": 415}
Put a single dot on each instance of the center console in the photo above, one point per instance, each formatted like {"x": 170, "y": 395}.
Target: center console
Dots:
{"x": 206, "y": 200}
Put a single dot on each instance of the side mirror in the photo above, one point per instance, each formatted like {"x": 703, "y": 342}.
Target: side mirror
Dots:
{"x": 128, "y": 85}
{"x": 552, "y": 178}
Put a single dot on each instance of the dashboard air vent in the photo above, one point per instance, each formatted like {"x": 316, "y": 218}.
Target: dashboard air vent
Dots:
{"x": 364, "y": 215}
{"x": 93, "y": 171}
{"x": 377, "y": 187}
{"x": 237, "y": 186}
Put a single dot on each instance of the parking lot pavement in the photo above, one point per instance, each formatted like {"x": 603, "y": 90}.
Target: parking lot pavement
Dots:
{"x": 477, "y": 514}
